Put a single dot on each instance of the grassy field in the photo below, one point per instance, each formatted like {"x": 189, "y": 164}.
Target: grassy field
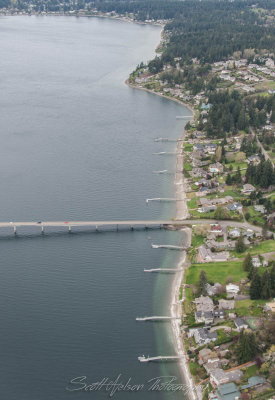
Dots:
{"x": 198, "y": 215}
{"x": 249, "y": 307}
{"x": 265, "y": 85}
{"x": 216, "y": 272}
{"x": 264, "y": 247}
{"x": 229, "y": 191}
{"x": 188, "y": 147}
{"x": 255, "y": 215}
{"x": 192, "y": 203}
{"x": 187, "y": 166}
{"x": 197, "y": 240}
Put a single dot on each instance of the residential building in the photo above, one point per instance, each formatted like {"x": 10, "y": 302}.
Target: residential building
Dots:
{"x": 216, "y": 168}
{"x": 260, "y": 208}
{"x": 218, "y": 377}
{"x": 204, "y": 316}
{"x": 203, "y": 336}
{"x": 240, "y": 324}
{"x": 204, "y": 303}
{"x": 219, "y": 314}
{"x": 229, "y": 391}
{"x": 232, "y": 289}
{"x": 206, "y": 255}
{"x": 247, "y": 188}
{"x": 256, "y": 262}
{"x": 226, "y": 304}
{"x": 235, "y": 232}
{"x": 253, "y": 382}
{"x": 270, "y": 306}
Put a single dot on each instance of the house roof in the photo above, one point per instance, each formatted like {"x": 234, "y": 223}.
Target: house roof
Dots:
{"x": 254, "y": 381}
{"x": 228, "y": 391}
{"x": 239, "y": 322}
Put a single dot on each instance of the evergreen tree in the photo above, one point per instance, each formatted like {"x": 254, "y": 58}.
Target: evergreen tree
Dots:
{"x": 240, "y": 246}
{"x": 228, "y": 180}
{"x": 247, "y": 263}
{"x": 202, "y": 284}
{"x": 255, "y": 287}
{"x": 247, "y": 347}
{"x": 265, "y": 286}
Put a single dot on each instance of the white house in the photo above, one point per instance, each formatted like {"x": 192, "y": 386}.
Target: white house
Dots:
{"x": 235, "y": 232}
{"x": 232, "y": 289}
{"x": 256, "y": 262}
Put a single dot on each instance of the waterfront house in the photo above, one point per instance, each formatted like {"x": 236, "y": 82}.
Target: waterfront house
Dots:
{"x": 206, "y": 355}
{"x": 206, "y": 255}
{"x": 218, "y": 377}
{"x": 240, "y": 324}
{"x": 204, "y": 303}
{"x": 228, "y": 391}
{"x": 204, "y": 317}
{"x": 203, "y": 336}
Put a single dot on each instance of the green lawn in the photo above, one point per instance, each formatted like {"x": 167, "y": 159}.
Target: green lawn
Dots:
{"x": 188, "y": 147}
{"x": 251, "y": 371}
{"x": 192, "y": 203}
{"x": 249, "y": 307}
{"x": 187, "y": 167}
{"x": 198, "y": 215}
{"x": 235, "y": 165}
{"x": 216, "y": 272}
{"x": 197, "y": 240}
{"x": 255, "y": 215}
{"x": 264, "y": 247}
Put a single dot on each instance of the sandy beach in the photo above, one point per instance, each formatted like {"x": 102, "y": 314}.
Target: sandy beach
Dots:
{"x": 192, "y": 392}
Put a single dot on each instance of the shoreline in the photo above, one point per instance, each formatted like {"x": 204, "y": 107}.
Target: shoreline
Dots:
{"x": 181, "y": 213}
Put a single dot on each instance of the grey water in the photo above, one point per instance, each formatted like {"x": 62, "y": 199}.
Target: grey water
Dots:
{"x": 77, "y": 143}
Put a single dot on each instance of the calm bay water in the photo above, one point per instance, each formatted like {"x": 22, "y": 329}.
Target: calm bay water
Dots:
{"x": 77, "y": 143}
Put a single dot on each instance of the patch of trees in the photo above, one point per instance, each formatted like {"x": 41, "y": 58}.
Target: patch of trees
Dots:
{"x": 227, "y": 113}
{"x": 249, "y": 146}
{"x": 261, "y": 286}
{"x": 262, "y": 174}
{"x": 234, "y": 178}
{"x": 258, "y": 107}
{"x": 247, "y": 347}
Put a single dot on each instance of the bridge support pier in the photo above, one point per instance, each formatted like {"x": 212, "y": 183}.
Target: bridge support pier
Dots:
{"x": 96, "y": 228}
{"x": 70, "y": 229}
{"x": 14, "y": 230}
{"x": 117, "y": 228}
{"x": 132, "y": 228}
{"x": 146, "y": 227}
{"x": 42, "y": 229}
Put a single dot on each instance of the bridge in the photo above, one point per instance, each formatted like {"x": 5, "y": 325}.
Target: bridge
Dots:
{"x": 128, "y": 224}
{"x": 160, "y": 358}
{"x": 164, "y": 270}
{"x": 156, "y": 318}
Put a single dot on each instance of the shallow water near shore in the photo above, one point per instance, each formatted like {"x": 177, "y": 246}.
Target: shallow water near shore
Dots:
{"x": 77, "y": 143}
